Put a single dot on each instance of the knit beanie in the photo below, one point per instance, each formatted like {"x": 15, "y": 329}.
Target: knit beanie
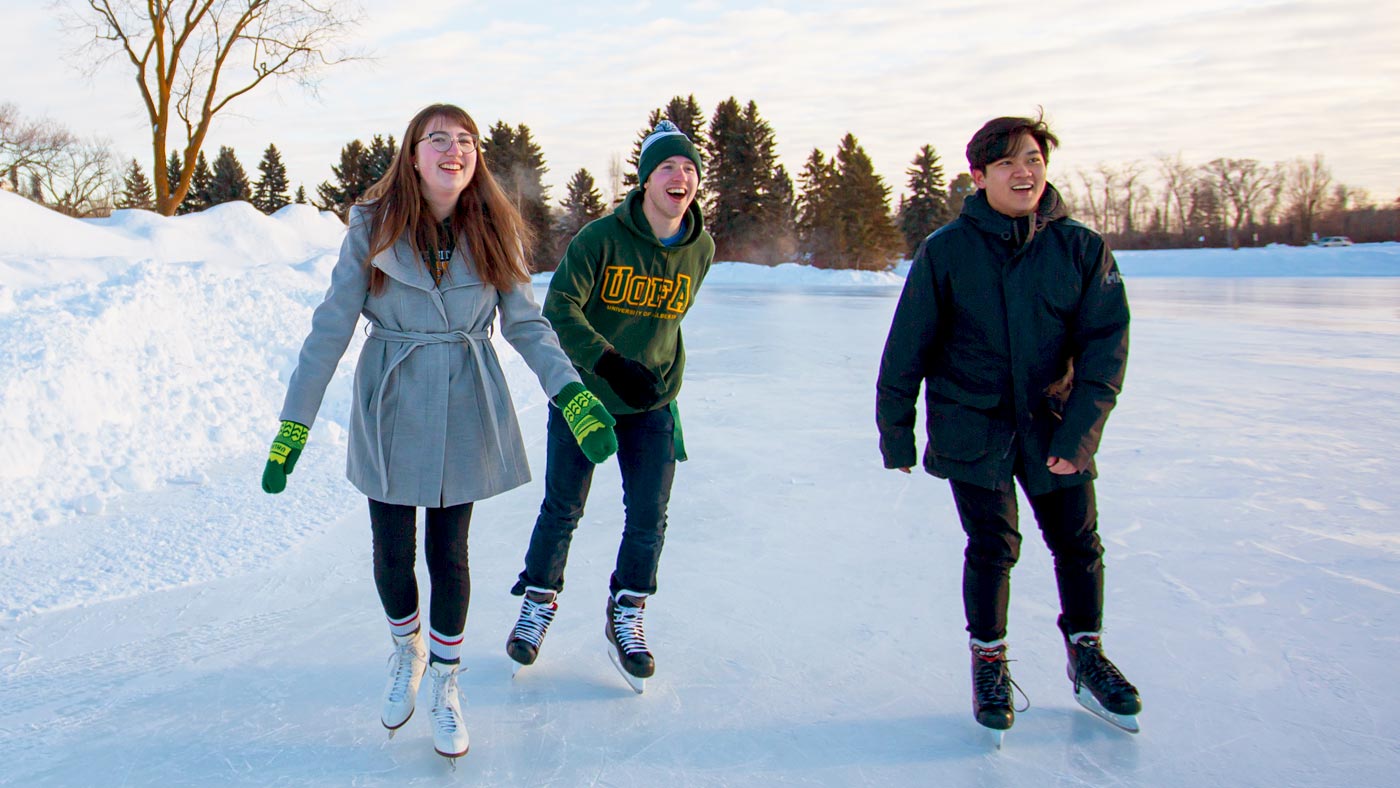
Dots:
{"x": 662, "y": 143}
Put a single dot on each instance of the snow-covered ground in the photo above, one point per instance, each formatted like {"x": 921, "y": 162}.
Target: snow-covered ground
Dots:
{"x": 163, "y": 622}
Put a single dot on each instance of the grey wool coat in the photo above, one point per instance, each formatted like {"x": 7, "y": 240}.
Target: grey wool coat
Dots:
{"x": 432, "y": 422}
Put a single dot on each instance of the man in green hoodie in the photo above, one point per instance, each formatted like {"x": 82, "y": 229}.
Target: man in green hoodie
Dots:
{"x": 616, "y": 302}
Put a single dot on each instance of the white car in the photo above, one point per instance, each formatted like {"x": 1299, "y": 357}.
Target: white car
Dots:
{"x": 1333, "y": 240}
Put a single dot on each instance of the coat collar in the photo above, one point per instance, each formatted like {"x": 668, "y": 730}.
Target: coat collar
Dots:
{"x": 399, "y": 263}
{"x": 984, "y": 217}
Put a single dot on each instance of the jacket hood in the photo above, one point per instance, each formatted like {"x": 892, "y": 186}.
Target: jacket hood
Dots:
{"x": 630, "y": 213}
{"x": 984, "y": 217}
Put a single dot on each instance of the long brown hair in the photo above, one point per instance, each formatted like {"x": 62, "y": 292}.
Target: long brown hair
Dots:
{"x": 484, "y": 217}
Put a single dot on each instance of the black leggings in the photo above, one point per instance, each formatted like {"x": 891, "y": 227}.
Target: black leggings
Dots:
{"x": 445, "y": 547}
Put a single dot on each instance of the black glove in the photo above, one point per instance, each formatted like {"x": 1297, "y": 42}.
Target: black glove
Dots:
{"x": 636, "y": 385}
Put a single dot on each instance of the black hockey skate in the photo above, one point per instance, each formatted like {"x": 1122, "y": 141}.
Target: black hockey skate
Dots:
{"x": 1098, "y": 684}
{"x": 992, "y": 688}
{"x": 624, "y": 630}
{"x": 536, "y": 613}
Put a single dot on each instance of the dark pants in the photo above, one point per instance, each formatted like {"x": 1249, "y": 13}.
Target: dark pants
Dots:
{"x": 647, "y": 458}
{"x": 1068, "y": 520}
{"x": 445, "y": 547}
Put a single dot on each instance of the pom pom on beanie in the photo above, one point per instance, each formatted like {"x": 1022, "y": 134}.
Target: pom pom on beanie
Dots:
{"x": 661, "y": 144}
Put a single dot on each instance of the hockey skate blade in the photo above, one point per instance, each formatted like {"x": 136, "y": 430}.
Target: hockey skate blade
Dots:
{"x": 515, "y": 668}
{"x": 1124, "y": 722}
{"x": 637, "y": 685}
{"x": 997, "y": 736}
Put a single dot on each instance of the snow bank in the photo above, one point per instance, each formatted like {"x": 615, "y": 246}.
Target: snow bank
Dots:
{"x": 138, "y": 348}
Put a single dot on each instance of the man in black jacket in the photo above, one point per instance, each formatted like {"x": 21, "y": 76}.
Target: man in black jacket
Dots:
{"x": 1014, "y": 321}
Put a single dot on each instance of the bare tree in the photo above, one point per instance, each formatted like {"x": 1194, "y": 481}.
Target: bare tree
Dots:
{"x": 193, "y": 57}
{"x": 80, "y": 180}
{"x": 1350, "y": 198}
{"x": 63, "y": 172}
{"x": 1089, "y": 199}
{"x": 1307, "y": 190}
{"x": 1271, "y": 201}
{"x": 1178, "y": 178}
{"x": 616, "y": 178}
{"x": 1242, "y": 183}
{"x": 1131, "y": 191}
{"x": 27, "y": 145}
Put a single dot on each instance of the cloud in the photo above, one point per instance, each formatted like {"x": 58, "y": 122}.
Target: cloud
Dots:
{"x": 1250, "y": 78}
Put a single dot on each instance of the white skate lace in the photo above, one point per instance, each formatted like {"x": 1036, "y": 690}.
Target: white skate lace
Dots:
{"x": 535, "y": 618}
{"x": 627, "y": 626}
{"x": 402, "y": 662}
{"x": 445, "y": 717}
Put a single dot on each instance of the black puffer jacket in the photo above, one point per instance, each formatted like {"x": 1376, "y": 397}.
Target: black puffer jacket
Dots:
{"x": 1020, "y": 332}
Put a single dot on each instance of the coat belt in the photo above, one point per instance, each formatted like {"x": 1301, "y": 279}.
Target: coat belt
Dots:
{"x": 410, "y": 341}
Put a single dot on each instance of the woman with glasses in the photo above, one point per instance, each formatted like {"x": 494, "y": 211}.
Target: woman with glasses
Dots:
{"x": 433, "y": 255}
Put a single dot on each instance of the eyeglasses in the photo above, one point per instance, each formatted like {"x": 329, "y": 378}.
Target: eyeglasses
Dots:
{"x": 442, "y": 141}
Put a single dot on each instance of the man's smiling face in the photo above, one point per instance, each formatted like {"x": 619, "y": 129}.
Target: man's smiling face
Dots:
{"x": 671, "y": 187}
{"x": 1015, "y": 182}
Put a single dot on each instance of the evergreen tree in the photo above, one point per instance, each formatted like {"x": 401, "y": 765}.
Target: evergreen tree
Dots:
{"x": 136, "y": 189}
{"x": 174, "y": 170}
{"x": 960, "y": 189}
{"x": 198, "y": 196}
{"x": 783, "y": 217}
{"x": 688, "y": 117}
{"x": 926, "y": 208}
{"x": 352, "y": 180}
{"x": 518, "y": 164}
{"x": 582, "y": 205}
{"x": 1206, "y": 216}
{"x": 869, "y": 239}
{"x": 230, "y": 182}
{"x": 379, "y": 157}
{"x": 816, "y": 229}
{"x": 744, "y": 208}
{"x": 301, "y": 195}
{"x": 270, "y": 191}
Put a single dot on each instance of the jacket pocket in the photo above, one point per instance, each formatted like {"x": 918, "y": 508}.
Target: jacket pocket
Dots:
{"x": 957, "y": 432}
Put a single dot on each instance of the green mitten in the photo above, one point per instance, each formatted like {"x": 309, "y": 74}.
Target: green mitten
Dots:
{"x": 282, "y": 457}
{"x": 590, "y": 422}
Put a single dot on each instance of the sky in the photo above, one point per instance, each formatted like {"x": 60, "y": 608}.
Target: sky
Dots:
{"x": 163, "y": 622}
{"x": 1265, "y": 79}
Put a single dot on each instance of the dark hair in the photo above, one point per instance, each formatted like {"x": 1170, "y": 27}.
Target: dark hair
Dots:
{"x": 997, "y": 138}
{"x": 495, "y": 234}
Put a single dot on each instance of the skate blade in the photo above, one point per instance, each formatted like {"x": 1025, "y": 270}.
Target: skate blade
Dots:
{"x": 997, "y": 736}
{"x": 515, "y": 668}
{"x": 638, "y": 685}
{"x": 1124, "y": 722}
{"x": 451, "y": 757}
{"x": 396, "y": 728}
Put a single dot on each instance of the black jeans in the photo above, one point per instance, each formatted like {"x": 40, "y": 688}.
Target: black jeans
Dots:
{"x": 445, "y": 547}
{"x": 1068, "y": 520}
{"x": 646, "y": 456}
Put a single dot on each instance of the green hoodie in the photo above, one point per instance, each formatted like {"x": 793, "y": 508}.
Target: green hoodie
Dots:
{"x": 619, "y": 287}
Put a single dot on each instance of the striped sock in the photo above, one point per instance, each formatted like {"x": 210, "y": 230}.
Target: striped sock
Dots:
{"x": 404, "y": 626}
{"x": 444, "y": 648}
